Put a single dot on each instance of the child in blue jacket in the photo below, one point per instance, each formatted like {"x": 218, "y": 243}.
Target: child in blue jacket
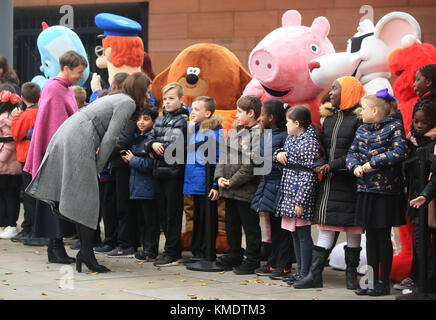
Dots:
{"x": 142, "y": 186}
{"x": 375, "y": 158}
{"x": 204, "y": 132}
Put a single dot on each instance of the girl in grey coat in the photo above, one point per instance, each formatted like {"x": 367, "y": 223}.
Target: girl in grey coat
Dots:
{"x": 68, "y": 176}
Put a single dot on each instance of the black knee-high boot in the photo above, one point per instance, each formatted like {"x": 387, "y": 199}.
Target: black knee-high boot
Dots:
{"x": 56, "y": 252}
{"x": 86, "y": 253}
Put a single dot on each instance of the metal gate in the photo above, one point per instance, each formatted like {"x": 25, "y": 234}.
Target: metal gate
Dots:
{"x": 27, "y": 27}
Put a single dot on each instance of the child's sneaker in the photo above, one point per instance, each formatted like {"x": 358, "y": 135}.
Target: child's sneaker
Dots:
{"x": 144, "y": 257}
{"x": 246, "y": 268}
{"x": 166, "y": 261}
{"x": 264, "y": 270}
{"x": 279, "y": 274}
{"x": 407, "y": 283}
{"x": 9, "y": 232}
{"x": 121, "y": 253}
{"x": 103, "y": 248}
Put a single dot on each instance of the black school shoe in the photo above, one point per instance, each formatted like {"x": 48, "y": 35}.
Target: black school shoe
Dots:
{"x": 381, "y": 289}
{"x": 229, "y": 261}
{"x": 246, "y": 267}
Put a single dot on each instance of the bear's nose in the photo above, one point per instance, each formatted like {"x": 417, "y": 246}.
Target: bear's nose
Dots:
{"x": 192, "y": 78}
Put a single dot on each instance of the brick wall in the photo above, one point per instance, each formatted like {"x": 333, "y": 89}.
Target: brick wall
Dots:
{"x": 240, "y": 25}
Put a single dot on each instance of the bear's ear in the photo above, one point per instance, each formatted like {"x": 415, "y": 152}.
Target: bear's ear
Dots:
{"x": 320, "y": 26}
{"x": 291, "y": 18}
{"x": 159, "y": 82}
{"x": 394, "y": 26}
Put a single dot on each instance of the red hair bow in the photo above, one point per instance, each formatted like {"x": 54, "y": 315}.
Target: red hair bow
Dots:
{"x": 6, "y": 96}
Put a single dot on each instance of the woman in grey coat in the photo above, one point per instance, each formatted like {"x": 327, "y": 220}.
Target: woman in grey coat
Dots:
{"x": 68, "y": 176}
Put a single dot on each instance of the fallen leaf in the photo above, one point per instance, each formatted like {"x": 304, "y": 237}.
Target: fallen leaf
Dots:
{"x": 161, "y": 279}
{"x": 139, "y": 262}
{"x": 203, "y": 284}
{"x": 214, "y": 279}
{"x": 191, "y": 295}
{"x": 48, "y": 262}
{"x": 124, "y": 290}
{"x": 259, "y": 281}
{"x": 4, "y": 249}
{"x": 273, "y": 283}
{"x": 250, "y": 281}
{"x": 177, "y": 273}
{"x": 243, "y": 283}
{"x": 92, "y": 273}
{"x": 150, "y": 281}
{"x": 318, "y": 290}
{"x": 37, "y": 252}
{"x": 102, "y": 293}
{"x": 315, "y": 298}
{"x": 43, "y": 293}
{"x": 27, "y": 271}
{"x": 201, "y": 280}
{"x": 193, "y": 298}
{"x": 183, "y": 280}
{"x": 27, "y": 259}
{"x": 128, "y": 270}
{"x": 8, "y": 273}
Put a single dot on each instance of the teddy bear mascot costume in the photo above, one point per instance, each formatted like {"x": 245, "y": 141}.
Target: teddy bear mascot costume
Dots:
{"x": 52, "y": 43}
{"x": 278, "y": 64}
{"x": 206, "y": 69}
{"x": 366, "y": 58}
{"x": 404, "y": 63}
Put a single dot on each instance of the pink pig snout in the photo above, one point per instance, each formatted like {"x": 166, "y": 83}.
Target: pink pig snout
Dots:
{"x": 263, "y": 66}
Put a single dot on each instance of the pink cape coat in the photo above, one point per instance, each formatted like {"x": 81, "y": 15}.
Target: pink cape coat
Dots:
{"x": 56, "y": 104}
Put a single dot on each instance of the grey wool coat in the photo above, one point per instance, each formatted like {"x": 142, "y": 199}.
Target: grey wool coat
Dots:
{"x": 67, "y": 178}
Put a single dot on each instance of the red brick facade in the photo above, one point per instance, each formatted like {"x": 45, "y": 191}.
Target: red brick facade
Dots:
{"x": 240, "y": 25}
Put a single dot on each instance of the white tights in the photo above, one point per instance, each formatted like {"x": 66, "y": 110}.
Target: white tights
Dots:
{"x": 326, "y": 238}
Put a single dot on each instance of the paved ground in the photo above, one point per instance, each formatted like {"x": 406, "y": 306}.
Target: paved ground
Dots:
{"x": 26, "y": 274}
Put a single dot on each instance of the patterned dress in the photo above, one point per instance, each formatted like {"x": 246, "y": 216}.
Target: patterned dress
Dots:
{"x": 298, "y": 186}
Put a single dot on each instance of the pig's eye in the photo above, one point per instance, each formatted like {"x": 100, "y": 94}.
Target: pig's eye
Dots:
{"x": 314, "y": 48}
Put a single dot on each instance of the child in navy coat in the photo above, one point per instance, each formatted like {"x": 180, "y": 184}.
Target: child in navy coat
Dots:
{"x": 142, "y": 186}
{"x": 375, "y": 158}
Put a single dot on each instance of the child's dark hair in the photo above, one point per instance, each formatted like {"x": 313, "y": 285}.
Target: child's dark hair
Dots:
{"x": 10, "y": 77}
{"x": 250, "y": 102}
{"x": 7, "y": 106}
{"x": 150, "y": 110}
{"x": 429, "y": 72}
{"x": 31, "y": 92}
{"x": 429, "y": 109}
{"x": 276, "y": 108}
{"x": 300, "y": 113}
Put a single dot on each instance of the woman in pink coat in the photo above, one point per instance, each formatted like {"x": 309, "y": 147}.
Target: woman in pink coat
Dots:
{"x": 10, "y": 168}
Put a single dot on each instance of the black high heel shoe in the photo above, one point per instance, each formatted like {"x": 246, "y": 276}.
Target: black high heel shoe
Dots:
{"x": 90, "y": 262}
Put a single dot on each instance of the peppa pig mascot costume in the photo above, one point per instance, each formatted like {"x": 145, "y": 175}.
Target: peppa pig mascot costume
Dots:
{"x": 279, "y": 62}
{"x": 404, "y": 63}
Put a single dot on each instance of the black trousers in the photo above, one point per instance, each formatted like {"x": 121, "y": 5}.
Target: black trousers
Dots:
{"x": 200, "y": 241}
{"x": 239, "y": 215}
{"x": 170, "y": 204}
{"x": 282, "y": 249}
{"x": 108, "y": 212}
{"x": 9, "y": 200}
{"x": 29, "y": 204}
{"x": 126, "y": 212}
{"x": 379, "y": 252}
{"x": 150, "y": 233}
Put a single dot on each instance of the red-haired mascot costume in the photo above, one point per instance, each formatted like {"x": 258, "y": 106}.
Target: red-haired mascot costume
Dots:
{"x": 404, "y": 63}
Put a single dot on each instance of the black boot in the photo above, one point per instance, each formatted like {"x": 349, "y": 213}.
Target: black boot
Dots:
{"x": 352, "y": 259}
{"x": 86, "y": 253}
{"x": 56, "y": 252}
{"x": 314, "y": 278}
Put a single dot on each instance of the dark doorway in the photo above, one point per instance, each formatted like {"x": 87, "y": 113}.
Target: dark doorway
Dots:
{"x": 27, "y": 27}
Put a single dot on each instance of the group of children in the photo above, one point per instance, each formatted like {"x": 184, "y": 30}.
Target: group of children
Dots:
{"x": 347, "y": 177}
